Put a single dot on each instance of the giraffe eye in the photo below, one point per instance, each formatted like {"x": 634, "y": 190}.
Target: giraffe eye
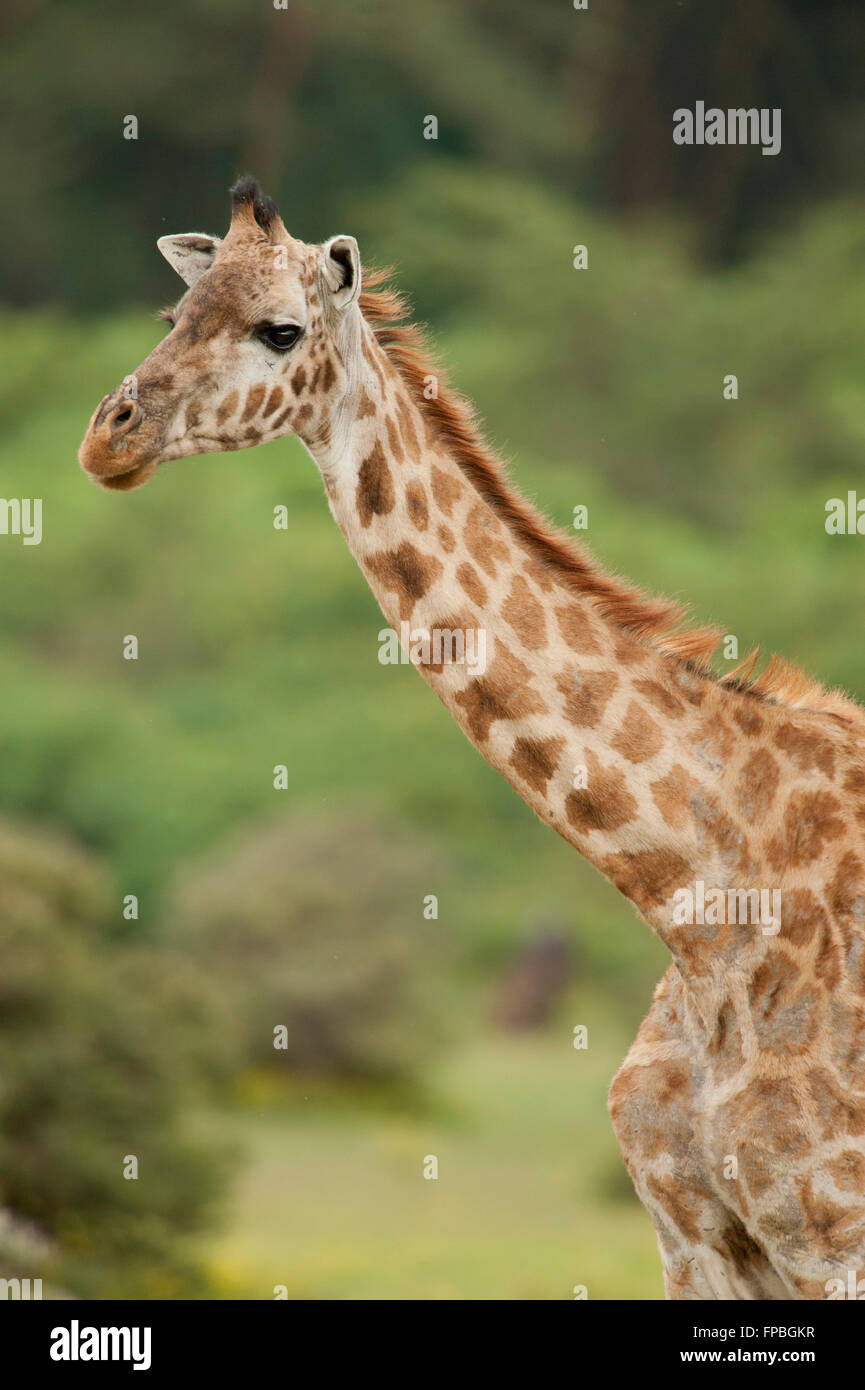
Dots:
{"x": 281, "y": 336}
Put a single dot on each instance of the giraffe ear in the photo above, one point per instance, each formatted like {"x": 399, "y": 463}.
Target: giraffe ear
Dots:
{"x": 342, "y": 270}
{"x": 190, "y": 254}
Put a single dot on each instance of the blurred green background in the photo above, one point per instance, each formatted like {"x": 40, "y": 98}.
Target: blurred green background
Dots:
{"x": 406, "y": 1036}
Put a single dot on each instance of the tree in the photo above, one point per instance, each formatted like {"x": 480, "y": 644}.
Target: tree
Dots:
{"x": 105, "y": 1048}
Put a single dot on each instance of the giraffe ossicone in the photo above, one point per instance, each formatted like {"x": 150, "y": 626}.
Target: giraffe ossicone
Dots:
{"x": 740, "y": 1108}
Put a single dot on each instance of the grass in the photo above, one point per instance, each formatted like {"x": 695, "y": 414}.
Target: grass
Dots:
{"x": 332, "y": 1202}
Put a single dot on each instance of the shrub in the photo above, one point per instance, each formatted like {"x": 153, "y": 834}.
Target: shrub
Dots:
{"x": 104, "y": 1047}
{"x": 317, "y": 925}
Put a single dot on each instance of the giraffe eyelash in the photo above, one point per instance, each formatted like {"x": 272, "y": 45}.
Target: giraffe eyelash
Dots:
{"x": 166, "y": 316}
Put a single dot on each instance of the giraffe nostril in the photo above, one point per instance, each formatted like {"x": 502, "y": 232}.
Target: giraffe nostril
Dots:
{"x": 124, "y": 416}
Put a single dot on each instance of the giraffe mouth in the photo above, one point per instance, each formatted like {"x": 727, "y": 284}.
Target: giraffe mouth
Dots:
{"x": 134, "y": 477}
{"x": 114, "y": 470}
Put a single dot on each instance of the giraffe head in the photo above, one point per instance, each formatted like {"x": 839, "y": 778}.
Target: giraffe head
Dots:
{"x": 257, "y": 348}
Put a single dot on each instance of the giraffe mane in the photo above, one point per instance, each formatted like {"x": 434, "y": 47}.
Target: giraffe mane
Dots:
{"x": 659, "y": 622}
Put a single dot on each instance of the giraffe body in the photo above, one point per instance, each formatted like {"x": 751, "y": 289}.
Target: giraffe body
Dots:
{"x": 740, "y": 1108}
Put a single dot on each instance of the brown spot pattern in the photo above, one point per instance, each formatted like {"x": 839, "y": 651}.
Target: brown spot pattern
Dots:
{"x": 480, "y": 539}
{"x": 848, "y": 1170}
{"x": 375, "y": 493}
{"x": 586, "y": 698}
{"x": 254, "y": 401}
{"x": 576, "y": 628}
{"x": 604, "y": 803}
{"x": 536, "y": 760}
{"x": 806, "y": 749}
{"x": 783, "y": 1013}
{"x": 811, "y": 820}
{"x": 801, "y": 916}
{"x": 274, "y": 400}
{"x": 471, "y": 582}
{"x": 671, "y": 795}
{"x": 407, "y": 429}
{"x": 664, "y": 700}
{"x": 226, "y": 408}
{"x": 446, "y": 490}
{"x": 525, "y": 615}
{"x": 394, "y": 441}
{"x": 447, "y": 539}
{"x": 504, "y": 692}
{"x": 748, "y": 720}
{"x": 648, "y": 877}
{"x": 405, "y": 572}
{"x": 416, "y": 504}
{"x": 639, "y": 737}
{"x": 757, "y": 786}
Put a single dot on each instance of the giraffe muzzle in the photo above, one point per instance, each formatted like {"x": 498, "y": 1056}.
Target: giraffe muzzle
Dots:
{"x": 113, "y": 452}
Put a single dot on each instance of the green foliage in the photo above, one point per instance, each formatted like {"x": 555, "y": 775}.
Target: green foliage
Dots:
{"x": 102, "y": 1051}
{"x": 623, "y": 363}
{"x": 326, "y": 102}
{"x": 317, "y": 927}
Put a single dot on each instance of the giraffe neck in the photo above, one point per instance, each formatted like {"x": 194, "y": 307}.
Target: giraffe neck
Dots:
{"x": 611, "y": 742}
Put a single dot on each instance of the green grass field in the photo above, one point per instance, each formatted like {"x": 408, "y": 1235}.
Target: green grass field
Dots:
{"x": 531, "y": 1198}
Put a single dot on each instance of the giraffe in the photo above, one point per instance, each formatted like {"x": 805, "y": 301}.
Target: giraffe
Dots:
{"x": 740, "y": 1107}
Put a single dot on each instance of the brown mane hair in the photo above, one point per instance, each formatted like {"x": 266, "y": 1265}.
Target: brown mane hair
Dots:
{"x": 660, "y": 622}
